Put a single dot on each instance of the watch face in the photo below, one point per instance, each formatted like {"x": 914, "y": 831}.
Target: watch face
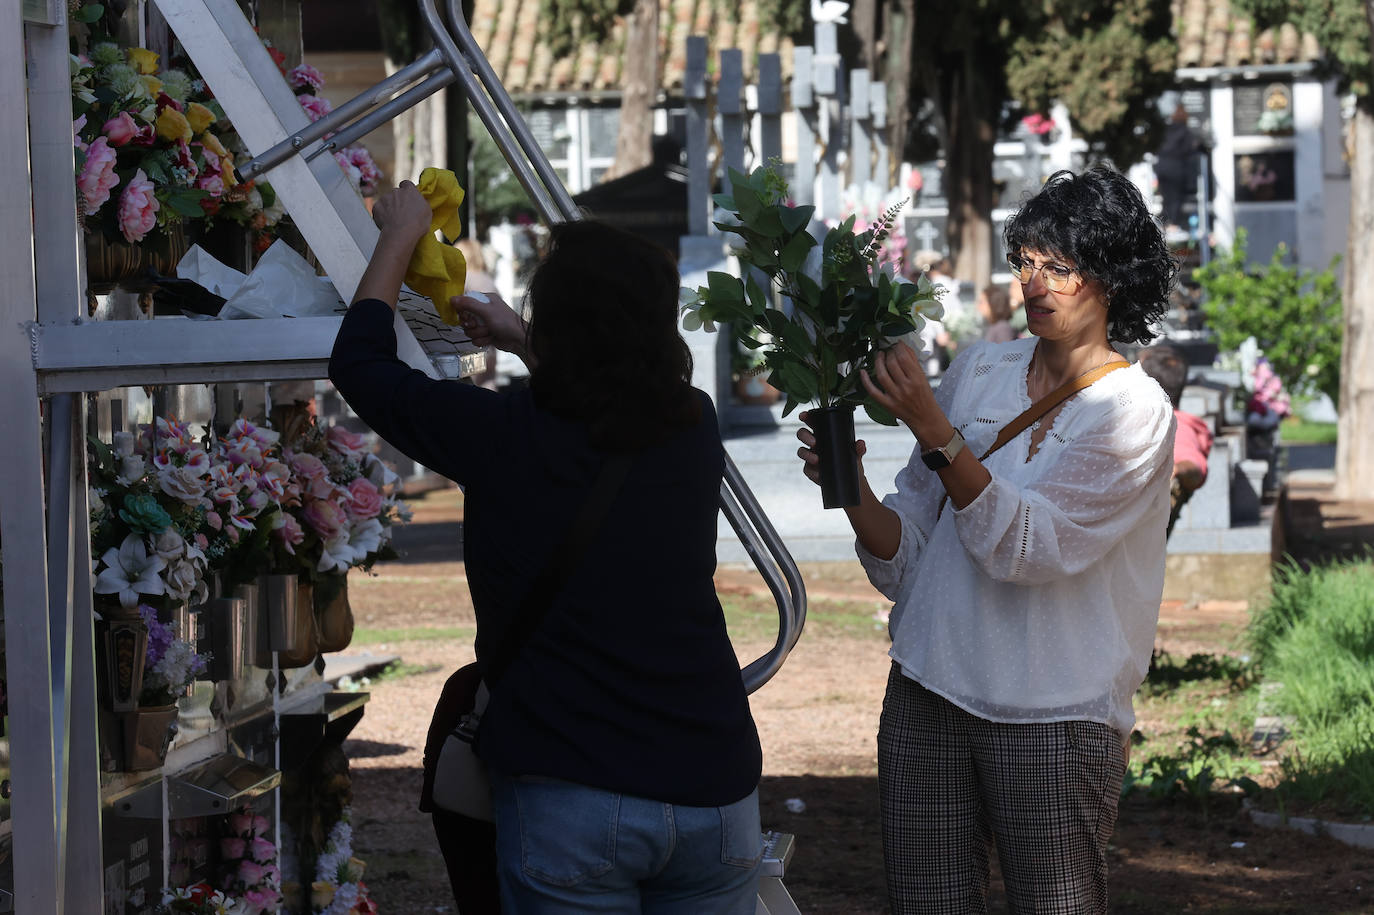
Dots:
{"x": 935, "y": 459}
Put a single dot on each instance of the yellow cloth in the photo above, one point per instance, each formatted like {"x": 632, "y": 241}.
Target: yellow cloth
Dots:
{"x": 437, "y": 270}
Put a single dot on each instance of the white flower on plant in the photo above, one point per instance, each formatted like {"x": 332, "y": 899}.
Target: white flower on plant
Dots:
{"x": 179, "y": 665}
{"x": 124, "y": 443}
{"x": 129, "y": 571}
{"x": 336, "y": 554}
{"x": 364, "y": 538}
{"x": 182, "y": 579}
{"x": 169, "y": 545}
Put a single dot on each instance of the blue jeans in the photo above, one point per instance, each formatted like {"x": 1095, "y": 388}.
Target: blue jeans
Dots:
{"x": 564, "y": 847}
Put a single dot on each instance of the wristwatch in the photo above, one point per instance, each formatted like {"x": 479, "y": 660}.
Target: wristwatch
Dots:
{"x": 938, "y": 458}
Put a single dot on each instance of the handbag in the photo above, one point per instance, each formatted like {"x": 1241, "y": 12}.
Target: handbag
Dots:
{"x": 455, "y": 778}
{"x": 1038, "y": 409}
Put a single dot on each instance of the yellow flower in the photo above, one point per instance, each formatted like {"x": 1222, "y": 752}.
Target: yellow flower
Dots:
{"x": 199, "y": 116}
{"x": 143, "y": 60}
{"x": 226, "y": 173}
{"x": 172, "y": 125}
{"x": 321, "y": 894}
{"x": 152, "y": 85}
{"x": 212, "y": 144}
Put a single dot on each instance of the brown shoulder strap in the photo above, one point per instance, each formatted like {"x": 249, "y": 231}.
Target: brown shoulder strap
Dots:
{"x": 1039, "y": 409}
{"x": 1049, "y": 402}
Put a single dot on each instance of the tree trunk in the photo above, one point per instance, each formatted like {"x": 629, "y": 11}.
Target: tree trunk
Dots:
{"x": 863, "y": 17}
{"x": 900, "y": 24}
{"x": 968, "y": 176}
{"x": 1355, "y": 444}
{"x": 634, "y": 138}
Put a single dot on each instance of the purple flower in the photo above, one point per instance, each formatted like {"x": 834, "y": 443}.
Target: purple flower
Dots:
{"x": 160, "y": 635}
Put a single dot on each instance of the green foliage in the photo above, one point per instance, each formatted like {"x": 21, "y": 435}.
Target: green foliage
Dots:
{"x": 496, "y": 194}
{"x": 1342, "y": 29}
{"x": 1316, "y": 639}
{"x": 1297, "y": 431}
{"x": 1293, "y": 313}
{"x": 1107, "y": 62}
{"x": 1203, "y": 764}
{"x": 836, "y": 314}
{"x": 572, "y": 21}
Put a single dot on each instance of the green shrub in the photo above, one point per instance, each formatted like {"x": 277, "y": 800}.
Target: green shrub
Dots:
{"x": 1316, "y": 639}
{"x": 1293, "y": 313}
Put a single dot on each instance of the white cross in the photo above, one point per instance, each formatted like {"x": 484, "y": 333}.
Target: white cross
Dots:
{"x": 926, "y": 233}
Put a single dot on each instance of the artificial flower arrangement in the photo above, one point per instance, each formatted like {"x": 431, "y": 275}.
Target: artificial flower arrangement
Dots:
{"x": 829, "y": 306}
{"x": 307, "y": 82}
{"x": 249, "y": 864}
{"x": 172, "y": 662}
{"x": 339, "y": 505}
{"x": 338, "y": 888}
{"x": 169, "y": 508}
{"x": 201, "y": 899}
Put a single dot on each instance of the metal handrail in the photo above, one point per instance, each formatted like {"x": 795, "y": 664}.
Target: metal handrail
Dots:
{"x": 456, "y": 57}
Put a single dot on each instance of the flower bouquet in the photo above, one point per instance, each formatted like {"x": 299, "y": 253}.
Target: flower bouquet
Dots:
{"x": 172, "y": 662}
{"x": 201, "y": 899}
{"x": 338, "y": 888}
{"x": 249, "y": 860}
{"x": 828, "y": 308}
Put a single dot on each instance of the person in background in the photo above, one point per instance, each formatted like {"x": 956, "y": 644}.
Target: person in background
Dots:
{"x": 1176, "y": 167}
{"x": 623, "y": 757}
{"x": 1193, "y": 440}
{"x": 994, "y": 306}
{"x": 936, "y": 338}
{"x": 1025, "y": 583}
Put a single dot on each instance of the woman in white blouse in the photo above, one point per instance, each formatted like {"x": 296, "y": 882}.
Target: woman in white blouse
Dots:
{"x": 1025, "y": 584}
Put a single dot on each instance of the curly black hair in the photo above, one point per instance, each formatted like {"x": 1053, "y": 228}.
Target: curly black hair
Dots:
{"x": 604, "y": 331}
{"x": 1099, "y": 223}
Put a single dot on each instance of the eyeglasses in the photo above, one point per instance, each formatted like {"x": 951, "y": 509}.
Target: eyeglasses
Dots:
{"x": 1057, "y": 277}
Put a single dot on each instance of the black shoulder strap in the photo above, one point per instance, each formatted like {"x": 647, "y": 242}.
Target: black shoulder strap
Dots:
{"x": 564, "y": 558}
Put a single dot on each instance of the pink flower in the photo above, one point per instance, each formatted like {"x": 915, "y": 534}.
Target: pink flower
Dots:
{"x": 214, "y": 520}
{"x": 366, "y": 499}
{"x": 369, "y": 174}
{"x": 349, "y": 444}
{"x": 264, "y": 899}
{"x": 202, "y": 541}
{"x": 250, "y": 872}
{"x": 184, "y": 160}
{"x": 241, "y": 824}
{"x": 137, "y": 207}
{"x": 77, "y": 126}
{"x": 212, "y": 184}
{"x": 355, "y": 174}
{"x": 263, "y": 850}
{"x": 308, "y": 466}
{"x": 98, "y": 176}
{"x": 305, "y": 76}
{"x": 288, "y": 531}
{"x": 232, "y": 848}
{"x": 325, "y": 517}
{"x": 315, "y": 106}
{"x": 120, "y": 129}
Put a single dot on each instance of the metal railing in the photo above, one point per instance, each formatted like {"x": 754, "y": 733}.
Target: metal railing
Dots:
{"x": 456, "y": 58}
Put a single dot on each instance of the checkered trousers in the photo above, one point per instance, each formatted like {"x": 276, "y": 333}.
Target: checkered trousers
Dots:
{"x": 952, "y": 784}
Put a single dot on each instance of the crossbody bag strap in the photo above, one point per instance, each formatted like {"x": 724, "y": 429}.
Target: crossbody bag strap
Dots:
{"x": 564, "y": 558}
{"x": 1038, "y": 409}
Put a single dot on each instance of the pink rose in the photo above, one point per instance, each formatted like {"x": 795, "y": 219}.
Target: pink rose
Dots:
{"x": 137, "y": 208}
{"x": 250, "y": 872}
{"x": 98, "y": 176}
{"x": 349, "y": 444}
{"x": 263, "y": 850}
{"x": 305, "y": 77}
{"x": 241, "y": 824}
{"x": 288, "y": 531}
{"x": 232, "y": 848}
{"x": 368, "y": 172}
{"x": 365, "y": 499}
{"x": 214, "y": 520}
{"x": 212, "y": 184}
{"x": 120, "y": 129}
{"x": 315, "y": 106}
{"x": 325, "y": 517}
{"x": 202, "y": 541}
{"x": 308, "y": 466}
{"x": 265, "y": 899}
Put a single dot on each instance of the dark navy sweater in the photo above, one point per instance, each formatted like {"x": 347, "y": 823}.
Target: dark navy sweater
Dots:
{"x": 630, "y": 682}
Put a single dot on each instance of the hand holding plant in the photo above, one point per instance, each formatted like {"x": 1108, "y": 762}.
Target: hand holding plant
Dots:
{"x": 826, "y": 307}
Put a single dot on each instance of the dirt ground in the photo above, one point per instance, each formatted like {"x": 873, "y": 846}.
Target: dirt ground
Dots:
{"x": 817, "y": 720}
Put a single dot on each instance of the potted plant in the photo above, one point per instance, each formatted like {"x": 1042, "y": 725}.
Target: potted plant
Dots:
{"x": 828, "y": 307}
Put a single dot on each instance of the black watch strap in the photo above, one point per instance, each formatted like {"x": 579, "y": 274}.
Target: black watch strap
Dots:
{"x": 939, "y": 458}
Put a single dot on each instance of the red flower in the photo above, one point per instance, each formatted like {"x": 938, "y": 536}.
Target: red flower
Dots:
{"x": 278, "y": 58}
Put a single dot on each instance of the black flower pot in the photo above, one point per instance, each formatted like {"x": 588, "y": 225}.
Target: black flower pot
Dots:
{"x": 839, "y": 467}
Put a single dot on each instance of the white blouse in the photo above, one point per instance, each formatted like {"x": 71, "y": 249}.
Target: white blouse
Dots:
{"x": 1038, "y": 601}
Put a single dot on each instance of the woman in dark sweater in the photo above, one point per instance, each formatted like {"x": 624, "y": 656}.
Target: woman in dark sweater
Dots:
{"x": 623, "y": 756}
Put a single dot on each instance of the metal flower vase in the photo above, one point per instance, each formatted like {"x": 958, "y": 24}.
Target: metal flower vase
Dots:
{"x": 839, "y": 462}
{"x": 225, "y": 625}
{"x": 147, "y": 734}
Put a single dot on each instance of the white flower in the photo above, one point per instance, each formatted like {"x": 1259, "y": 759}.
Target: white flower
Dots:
{"x": 169, "y": 545}
{"x": 131, "y": 469}
{"x": 130, "y": 571}
{"x": 365, "y": 537}
{"x": 123, "y": 443}
{"x": 95, "y": 500}
{"x": 182, "y": 579}
{"x": 336, "y": 555}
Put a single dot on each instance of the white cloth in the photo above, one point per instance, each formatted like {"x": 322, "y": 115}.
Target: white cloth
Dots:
{"x": 1038, "y": 601}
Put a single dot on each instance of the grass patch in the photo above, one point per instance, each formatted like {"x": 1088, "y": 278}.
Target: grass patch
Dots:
{"x": 750, "y": 617}
{"x": 1297, "y": 431}
{"x": 399, "y": 670}
{"x": 1315, "y": 640}
{"x": 363, "y": 636}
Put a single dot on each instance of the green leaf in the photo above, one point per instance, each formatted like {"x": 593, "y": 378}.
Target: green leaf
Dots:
{"x": 878, "y": 413}
{"x": 724, "y": 288}
{"x": 795, "y": 219}
{"x": 793, "y": 254}
{"x": 754, "y": 292}
{"x": 89, "y": 13}
{"x": 187, "y": 202}
{"x": 724, "y": 201}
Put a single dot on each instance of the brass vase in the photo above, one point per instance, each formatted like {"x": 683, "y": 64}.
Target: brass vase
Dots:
{"x": 147, "y": 734}
{"x": 111, "y": 263}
